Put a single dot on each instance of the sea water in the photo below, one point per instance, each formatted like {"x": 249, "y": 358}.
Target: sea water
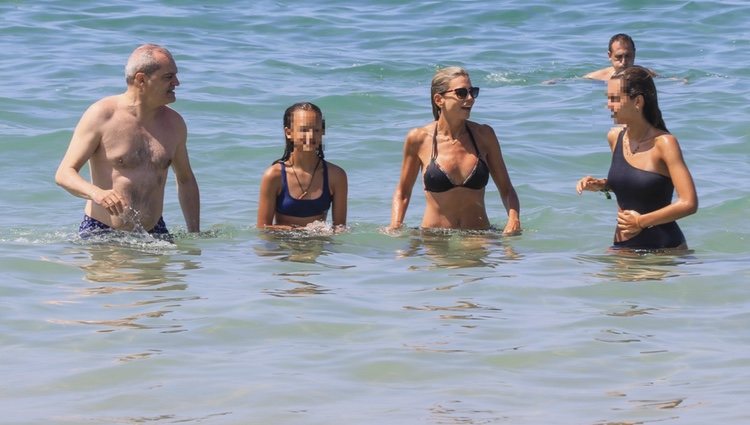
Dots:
{"x": 234, "y": 326}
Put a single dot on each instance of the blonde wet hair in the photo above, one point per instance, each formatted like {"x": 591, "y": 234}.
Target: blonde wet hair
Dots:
{"x": 440, "y": 83}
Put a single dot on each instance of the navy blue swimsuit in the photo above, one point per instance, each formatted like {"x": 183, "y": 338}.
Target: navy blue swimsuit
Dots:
{"x": 92, "y": 227}
{"x": 643, "y": 191}
{"x": 287, "y": 205}
{"x": 436, "y": 180}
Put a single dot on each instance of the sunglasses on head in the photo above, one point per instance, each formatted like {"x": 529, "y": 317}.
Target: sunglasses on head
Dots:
{"x": 462, "y": 92}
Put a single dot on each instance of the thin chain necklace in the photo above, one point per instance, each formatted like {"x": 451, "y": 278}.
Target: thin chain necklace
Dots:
{"x": 312, "y": 177}
{"x": 639, "y": 144}
{"x": 450, "y": 138}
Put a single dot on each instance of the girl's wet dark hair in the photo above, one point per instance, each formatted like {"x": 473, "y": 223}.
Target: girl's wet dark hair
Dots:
{"x": 288, "y": 114}
{"x": 637, "y": 81}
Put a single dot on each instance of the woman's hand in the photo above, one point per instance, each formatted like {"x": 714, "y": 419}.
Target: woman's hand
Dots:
{"x": 591, "y": 184}
{"x": 628, "y": 222}
{"x": 512, "y": 227}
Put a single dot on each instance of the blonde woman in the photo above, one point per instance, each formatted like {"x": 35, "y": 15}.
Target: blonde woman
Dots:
{"x": 456, "y": 158}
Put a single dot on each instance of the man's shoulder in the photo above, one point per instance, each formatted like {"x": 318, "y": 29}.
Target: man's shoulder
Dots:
{"x": 601, "y": 74}
{"x": 104, "y": 107}
{"x": 172, "y": 115}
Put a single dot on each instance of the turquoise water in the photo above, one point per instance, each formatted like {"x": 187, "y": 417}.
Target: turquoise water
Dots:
{"x": 236, "y": 327}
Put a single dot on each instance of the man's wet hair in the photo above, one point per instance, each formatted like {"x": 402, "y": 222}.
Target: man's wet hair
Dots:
{"x": 621, "y": 37}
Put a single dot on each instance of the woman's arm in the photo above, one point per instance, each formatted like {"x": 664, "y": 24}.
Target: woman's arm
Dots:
{"x": 600, "y": 185}
{"x": 500, "y": 176}
{"x": 591, "y": 184}
{"x": 409, "y": 171}
{"x": 670, "y": 154}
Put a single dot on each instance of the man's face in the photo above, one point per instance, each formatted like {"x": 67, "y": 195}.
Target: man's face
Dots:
{"x": 161, "y": 84}
{"x": 621, "y": 55}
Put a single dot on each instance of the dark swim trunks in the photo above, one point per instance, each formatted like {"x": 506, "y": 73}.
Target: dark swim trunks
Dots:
{"x": 92, "y": 227}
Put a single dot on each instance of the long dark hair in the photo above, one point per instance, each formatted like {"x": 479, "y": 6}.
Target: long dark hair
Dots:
{"x": 288, "y": 114}
{"x": 637, "y": 81}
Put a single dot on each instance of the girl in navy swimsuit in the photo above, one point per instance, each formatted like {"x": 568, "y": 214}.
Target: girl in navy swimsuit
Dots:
{"x": 647, "y": 166}
{"x": 457, "y": 157}
{"x": 301, "y": 186}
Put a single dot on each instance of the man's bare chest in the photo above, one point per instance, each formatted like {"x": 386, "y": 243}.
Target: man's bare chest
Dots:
{"x": 132, "y": 146}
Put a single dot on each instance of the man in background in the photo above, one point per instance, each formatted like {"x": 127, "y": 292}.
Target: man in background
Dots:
{"x": 621, "y": 53}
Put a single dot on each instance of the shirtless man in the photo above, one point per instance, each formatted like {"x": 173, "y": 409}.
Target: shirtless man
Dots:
{"x": 621, "y": 53}
{"x": 130, "y": 140}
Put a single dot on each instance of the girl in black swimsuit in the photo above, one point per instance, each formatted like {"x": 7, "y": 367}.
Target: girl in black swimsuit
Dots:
{"x": 647, "y": 166}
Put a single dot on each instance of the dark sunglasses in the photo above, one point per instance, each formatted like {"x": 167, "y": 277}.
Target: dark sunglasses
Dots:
{"x": 462, "y": 92}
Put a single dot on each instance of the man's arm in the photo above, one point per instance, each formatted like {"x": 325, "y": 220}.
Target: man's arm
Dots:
{"x": 187, "y": 186}
{"x": 85, "y": 141}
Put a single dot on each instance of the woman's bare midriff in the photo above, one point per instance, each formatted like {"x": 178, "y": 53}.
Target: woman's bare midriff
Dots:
{"x": 458, "y": 208}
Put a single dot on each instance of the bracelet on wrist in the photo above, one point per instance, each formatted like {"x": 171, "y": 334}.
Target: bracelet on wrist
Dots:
{"x": 605, "y": 188}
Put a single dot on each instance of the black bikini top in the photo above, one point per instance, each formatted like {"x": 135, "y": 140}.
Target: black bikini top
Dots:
{"x": 436, "y": 180}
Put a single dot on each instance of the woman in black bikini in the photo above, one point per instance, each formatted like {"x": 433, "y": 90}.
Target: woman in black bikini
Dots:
{"x": 647, "y": 166}
{"x": 457, "y": 158}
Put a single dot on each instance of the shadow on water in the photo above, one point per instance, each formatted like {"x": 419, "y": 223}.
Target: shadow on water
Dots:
{"x": 454, "y": 249}
{"x": 640, "y": 266}
{"x": 141, "y": 262}
{"x": 120, "y": 267}
{"x": 301, "y": 246}
{"x": 302, "y": 286}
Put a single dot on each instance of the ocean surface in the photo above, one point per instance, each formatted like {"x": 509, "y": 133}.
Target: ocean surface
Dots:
{"x": 233, "y": 326}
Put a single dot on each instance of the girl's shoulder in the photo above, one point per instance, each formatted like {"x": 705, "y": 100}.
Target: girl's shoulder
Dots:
{"x": 335, "y": 170}
{"x": 666, "y": 142}
{"x": 273, "y": 171}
